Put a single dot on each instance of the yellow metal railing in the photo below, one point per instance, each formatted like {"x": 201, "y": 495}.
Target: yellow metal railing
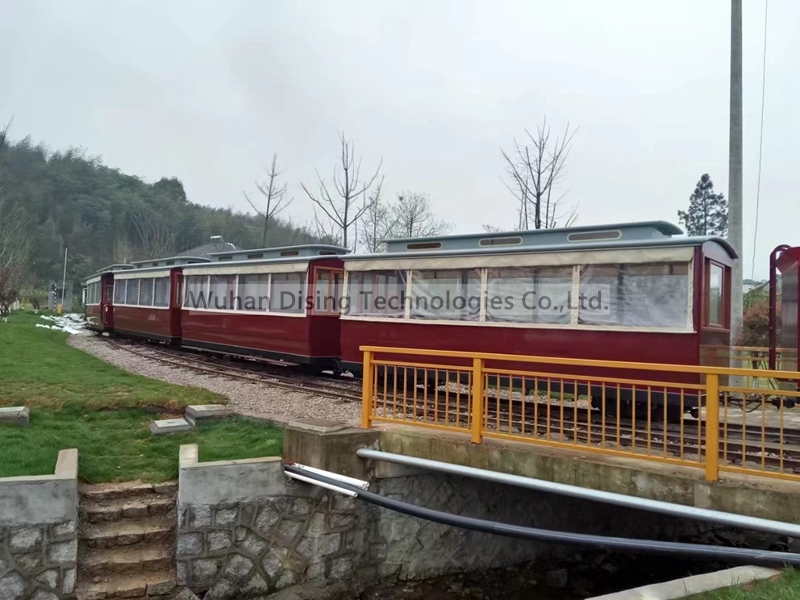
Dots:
{"x": 679, "y": 414}
{"x": 754, "y": 358}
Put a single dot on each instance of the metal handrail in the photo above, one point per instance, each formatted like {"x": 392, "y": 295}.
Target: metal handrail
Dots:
{"x": 584, "y": 362}
{"x": 476, "y": 366}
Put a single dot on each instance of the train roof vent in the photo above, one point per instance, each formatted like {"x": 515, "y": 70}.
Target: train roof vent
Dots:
{"x": 594, "y": 236}
{"x": 501, "y": 241}
{"x": 301, "y": 251}
{"x": 627, "y": 232}
{"x": 116, "y": 267}
{"x": 424, "y": 246}
{"x": 169, "y": 261}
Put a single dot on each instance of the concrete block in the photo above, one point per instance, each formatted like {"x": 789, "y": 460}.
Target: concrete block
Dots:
{"x": 200, "y": 413}
{"x": 318, "y": 425}
{"x": 15, "y": 415}
{"x": 42, "y": 499}
{"x": 697, "y": 584}
{"x": 229, "y": 481}
{"x": 167, "y": 426}
{"x": 332, "y": 450}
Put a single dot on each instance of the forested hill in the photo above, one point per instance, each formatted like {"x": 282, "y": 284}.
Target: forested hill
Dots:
{"x": 68, "y": 199}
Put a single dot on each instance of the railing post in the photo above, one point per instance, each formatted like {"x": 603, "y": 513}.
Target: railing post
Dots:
{"x": 366, "y": 391}
{"x": 712, "y": 427}
{"x": 477, "y": 400}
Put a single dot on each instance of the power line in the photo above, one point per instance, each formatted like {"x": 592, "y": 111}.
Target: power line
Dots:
{"x": 760, "y": 138}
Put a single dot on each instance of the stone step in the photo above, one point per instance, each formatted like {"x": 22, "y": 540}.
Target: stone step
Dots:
{"x": 104, "y": 562}
{"x": 129, "y": 489}
{"x": 125, "y": 508}
{"x": 139, "y": 586}
{"x": 126, "y": 532}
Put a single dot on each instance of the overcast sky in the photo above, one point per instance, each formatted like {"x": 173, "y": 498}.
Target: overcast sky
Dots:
{"x": 207, "y": 92}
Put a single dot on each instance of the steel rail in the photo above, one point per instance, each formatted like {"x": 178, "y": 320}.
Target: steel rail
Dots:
{"x": 266, "y": 379}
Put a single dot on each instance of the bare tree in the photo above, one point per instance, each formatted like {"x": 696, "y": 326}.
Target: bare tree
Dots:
{"x": 15, "y": 243}
{"x": 535, "y": 168}
{"x": 414, "y": 218}
{"x": 157, "y": 236}
{"x": 15, "y": 248}
{"x": 340, "y": 207}
{"x": 379, "y": 221}
{"x": 123, "y": 252}
{"x": 274, "y": 195}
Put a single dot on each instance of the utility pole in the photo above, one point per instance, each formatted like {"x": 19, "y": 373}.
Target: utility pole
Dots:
{"x": 64, "y": 280}
{"x": 735, "y": 168}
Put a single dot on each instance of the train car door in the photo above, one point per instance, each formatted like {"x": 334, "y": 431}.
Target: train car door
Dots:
{"x": 107, "y": 301}
{"x": 175, "y": 303}
{"x": 327, "y": 291}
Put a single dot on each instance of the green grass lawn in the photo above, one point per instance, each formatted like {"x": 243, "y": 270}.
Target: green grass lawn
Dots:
{"x": 78, "y": 401}
{"x": 785, "y": 587}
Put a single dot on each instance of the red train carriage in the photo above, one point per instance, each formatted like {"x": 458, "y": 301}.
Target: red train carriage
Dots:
{"x": 258, "y": 303}
{"x": 146, "y": 299}
{"x": 660, "y": 298}
{"x": 99, "y": 297}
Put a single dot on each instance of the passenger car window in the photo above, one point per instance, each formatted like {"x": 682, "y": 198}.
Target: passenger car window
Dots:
{"x": 716, "y": 294}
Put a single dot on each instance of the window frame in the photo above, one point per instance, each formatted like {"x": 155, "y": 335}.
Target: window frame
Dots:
{"x": 184, "y": 292}
{"x": 725, "y": 296}
{"x": 686, "y": 328}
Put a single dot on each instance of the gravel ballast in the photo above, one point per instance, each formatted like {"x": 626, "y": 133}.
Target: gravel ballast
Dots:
{"x": 257, "y": 400}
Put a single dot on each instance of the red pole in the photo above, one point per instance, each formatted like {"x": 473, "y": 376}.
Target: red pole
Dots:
{"x": 773, "y": 304}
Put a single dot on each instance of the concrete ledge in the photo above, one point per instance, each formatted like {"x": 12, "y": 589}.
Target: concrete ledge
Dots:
{"x": 329, "y": 446}
{"x": 762, "y": 497}
{"x": 67, "y": 464}
{"x": 689, "y": 586}
{"x": 201, "y": 413}
{"x": 15, "y": 415}
{"x": 228, "y": 481}
{"x": 167, "y": 426}
{"x": 42, "y": 499}
{"x": 318, "y": 425}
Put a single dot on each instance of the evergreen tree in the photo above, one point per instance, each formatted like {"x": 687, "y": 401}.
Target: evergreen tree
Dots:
{"x": 50, "y": 201}
{"x": 708, "y": 210}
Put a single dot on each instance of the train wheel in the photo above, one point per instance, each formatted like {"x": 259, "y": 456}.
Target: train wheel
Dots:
{"x": 674, "y": 413}
{"x": 626, "y": 411}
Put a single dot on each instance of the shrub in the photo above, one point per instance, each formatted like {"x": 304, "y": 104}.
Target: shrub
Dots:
{"x": 755, "y": 325}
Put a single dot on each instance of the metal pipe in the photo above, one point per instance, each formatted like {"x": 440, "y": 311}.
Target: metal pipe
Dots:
{"x": 773, "y": 305}
{"x": 741, "y": 555}
{"x": 343, "y": 478}
{"x": 666, "y": 508}
{"x": 330, "y": 486}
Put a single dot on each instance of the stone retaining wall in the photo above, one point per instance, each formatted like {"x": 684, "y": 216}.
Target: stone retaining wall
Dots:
{"x": 38, "y": 533}
{"x": 244, "y": 531}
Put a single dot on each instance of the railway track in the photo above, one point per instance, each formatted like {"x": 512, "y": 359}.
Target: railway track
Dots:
{"x": 576, "y": 425}
{"x": 345, "y": 392}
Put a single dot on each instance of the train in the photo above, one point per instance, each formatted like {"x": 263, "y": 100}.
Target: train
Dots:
{"x": 638, "y": 291}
